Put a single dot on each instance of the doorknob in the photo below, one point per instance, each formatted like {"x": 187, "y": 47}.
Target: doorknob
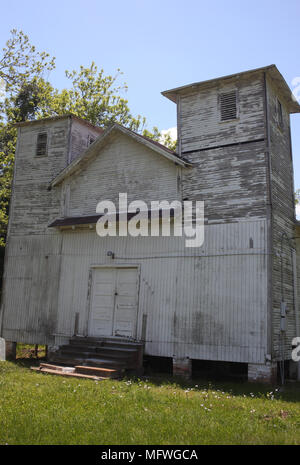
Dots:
{"x": 116, "y": 293}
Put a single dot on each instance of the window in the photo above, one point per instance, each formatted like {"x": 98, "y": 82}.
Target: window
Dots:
{"x": 90, "y": 140}
{"x": 41, "y": 144}
{"x": 228, "y": 105}
{"x": 279, "y": 114}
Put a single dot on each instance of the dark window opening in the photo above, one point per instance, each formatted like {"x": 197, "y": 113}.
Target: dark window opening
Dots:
{"x": 279, "y": 114}
{"x": 41, "y": 145}
{"x": 228, "y": 105}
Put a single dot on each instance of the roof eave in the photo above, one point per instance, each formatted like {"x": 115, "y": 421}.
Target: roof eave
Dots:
{"x": 294, "y": 106}
{"x": 74, "y": 166}
{"x": 57, "y": 118}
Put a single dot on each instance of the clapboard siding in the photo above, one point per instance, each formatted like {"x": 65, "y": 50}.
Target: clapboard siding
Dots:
{"x": 33, "y": 205}
{"x": 199, "y": 118}
{"x": 283, "y": 220}
{"x": 123, "y": 165}
{"x": 230, "y": 180}
{"x": 80, "y": 138}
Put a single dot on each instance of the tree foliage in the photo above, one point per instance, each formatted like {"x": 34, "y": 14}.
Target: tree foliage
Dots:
{"x": 27, "y": 94}
{"x": 20, "y": 62}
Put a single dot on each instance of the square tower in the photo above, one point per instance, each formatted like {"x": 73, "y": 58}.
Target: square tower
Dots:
{"x": 236, "y": 132}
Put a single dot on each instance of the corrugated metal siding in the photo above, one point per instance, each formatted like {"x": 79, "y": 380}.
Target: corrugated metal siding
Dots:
{"x": 31, "y": 281}
{"x": 209, "y": 303}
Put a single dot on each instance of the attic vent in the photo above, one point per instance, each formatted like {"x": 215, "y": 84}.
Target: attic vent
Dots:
{"x": 228, "y": 105}
{"x": 41, "y": 144}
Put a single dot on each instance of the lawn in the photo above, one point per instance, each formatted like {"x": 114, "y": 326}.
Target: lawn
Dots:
{"x": 44, "y": 409}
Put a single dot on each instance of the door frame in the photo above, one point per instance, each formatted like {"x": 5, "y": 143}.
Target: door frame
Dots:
{"x": 90, "y": 293}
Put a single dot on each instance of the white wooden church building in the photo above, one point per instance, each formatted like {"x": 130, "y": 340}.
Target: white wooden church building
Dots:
{"x": 222, "y": 301}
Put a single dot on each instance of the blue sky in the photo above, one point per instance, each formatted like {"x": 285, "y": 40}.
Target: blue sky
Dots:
{"x": 163, "y": 44}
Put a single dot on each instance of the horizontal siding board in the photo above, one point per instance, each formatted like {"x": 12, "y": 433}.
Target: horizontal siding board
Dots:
{"x": 200, "y": 122}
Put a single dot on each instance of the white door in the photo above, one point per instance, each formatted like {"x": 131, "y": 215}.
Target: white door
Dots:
{"x": 114, "y": 299}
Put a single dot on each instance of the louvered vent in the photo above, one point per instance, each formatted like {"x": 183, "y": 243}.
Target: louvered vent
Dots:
{"x": 228, "y": 105}
{"x": 41, "y": 145}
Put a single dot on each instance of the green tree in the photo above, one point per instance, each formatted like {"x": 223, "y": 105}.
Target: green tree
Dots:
{"x": 297, "y": 196}
{"x": 20, "y": 62}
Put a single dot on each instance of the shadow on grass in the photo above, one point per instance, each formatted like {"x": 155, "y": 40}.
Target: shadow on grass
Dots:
{"x": 290, "y": 392}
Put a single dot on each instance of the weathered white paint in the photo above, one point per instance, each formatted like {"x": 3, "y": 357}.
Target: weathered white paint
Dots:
{"x": 200, "y": 122}
{"x": 218, "y": 302}
{"x": 208, "y": 303}
{"x": 125, "y": 166}
{"x": 113, "y": 302}
{"x": 2, "y": 350}
{"x": 283, "y": 223}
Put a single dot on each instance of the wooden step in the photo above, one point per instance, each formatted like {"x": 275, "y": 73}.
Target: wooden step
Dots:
{"x": 114, "y": 352}
{"x": 51, "y": 366}
{"x": 102, "y": 372}
{"x": 109, "y": 353}
{"x": 65, "y": 373}
{"x": 99, "y": 342}
{"x": 98, "y": 362}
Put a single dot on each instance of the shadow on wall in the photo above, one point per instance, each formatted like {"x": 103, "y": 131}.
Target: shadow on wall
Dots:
{"x": 2, "y": 251}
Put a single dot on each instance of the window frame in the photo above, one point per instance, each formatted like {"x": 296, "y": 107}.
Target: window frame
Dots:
{"x": 91, "y": 140}
{"x": 37, "y": 144}
{"x": 279, "y": 113}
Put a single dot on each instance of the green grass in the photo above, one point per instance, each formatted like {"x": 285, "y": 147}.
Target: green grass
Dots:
{"x": 28, "y": 351}
{"x": 44, "y": 409}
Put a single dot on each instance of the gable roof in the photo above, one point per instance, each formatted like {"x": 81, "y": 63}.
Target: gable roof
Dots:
{"x": 271, "y": 70}
{"x": 57, "y": 118}
{"x": 88, "y": 154}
